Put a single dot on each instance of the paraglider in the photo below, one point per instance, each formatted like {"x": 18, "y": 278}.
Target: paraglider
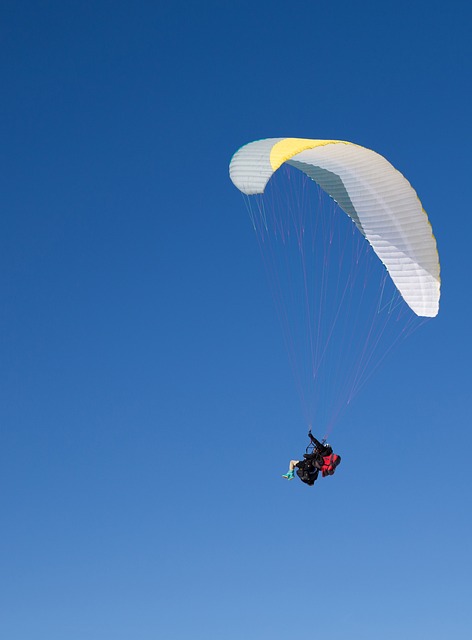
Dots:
{"x": 339, "y": 321}
{"x": 318, "y": 457}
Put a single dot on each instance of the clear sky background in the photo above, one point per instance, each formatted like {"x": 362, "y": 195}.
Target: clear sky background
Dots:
{"x": 147, "y": 410}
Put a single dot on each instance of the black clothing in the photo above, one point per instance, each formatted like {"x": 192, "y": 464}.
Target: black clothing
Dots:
{"x": 314, "y": 458}
{"x": 308, "y": 469}
{"x": 308, "y": 476}
{"x": 322, "y": 449}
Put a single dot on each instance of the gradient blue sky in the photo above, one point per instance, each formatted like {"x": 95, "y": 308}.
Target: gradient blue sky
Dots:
{"x": 147, "y": 409}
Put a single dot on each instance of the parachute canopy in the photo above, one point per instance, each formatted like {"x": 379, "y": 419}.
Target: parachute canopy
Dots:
{"x": 377, "y": 197}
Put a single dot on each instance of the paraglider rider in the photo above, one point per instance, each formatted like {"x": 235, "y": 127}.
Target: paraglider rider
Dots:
{"x": 320, "y": 458}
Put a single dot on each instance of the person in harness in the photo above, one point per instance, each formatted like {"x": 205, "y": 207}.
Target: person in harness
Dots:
{"x": 319, "y": 456}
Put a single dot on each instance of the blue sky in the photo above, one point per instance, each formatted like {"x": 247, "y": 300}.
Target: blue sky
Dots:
{"x": 147, "y": 409}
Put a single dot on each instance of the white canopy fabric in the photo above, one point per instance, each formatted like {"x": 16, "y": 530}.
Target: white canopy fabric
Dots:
{"x": 377, "y": 197}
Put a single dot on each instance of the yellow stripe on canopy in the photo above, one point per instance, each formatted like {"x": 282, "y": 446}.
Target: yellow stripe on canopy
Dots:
{"x": 289, "y": 147}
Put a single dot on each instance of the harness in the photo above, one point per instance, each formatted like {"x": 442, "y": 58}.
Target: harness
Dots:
{"x": 329, "y": 464}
